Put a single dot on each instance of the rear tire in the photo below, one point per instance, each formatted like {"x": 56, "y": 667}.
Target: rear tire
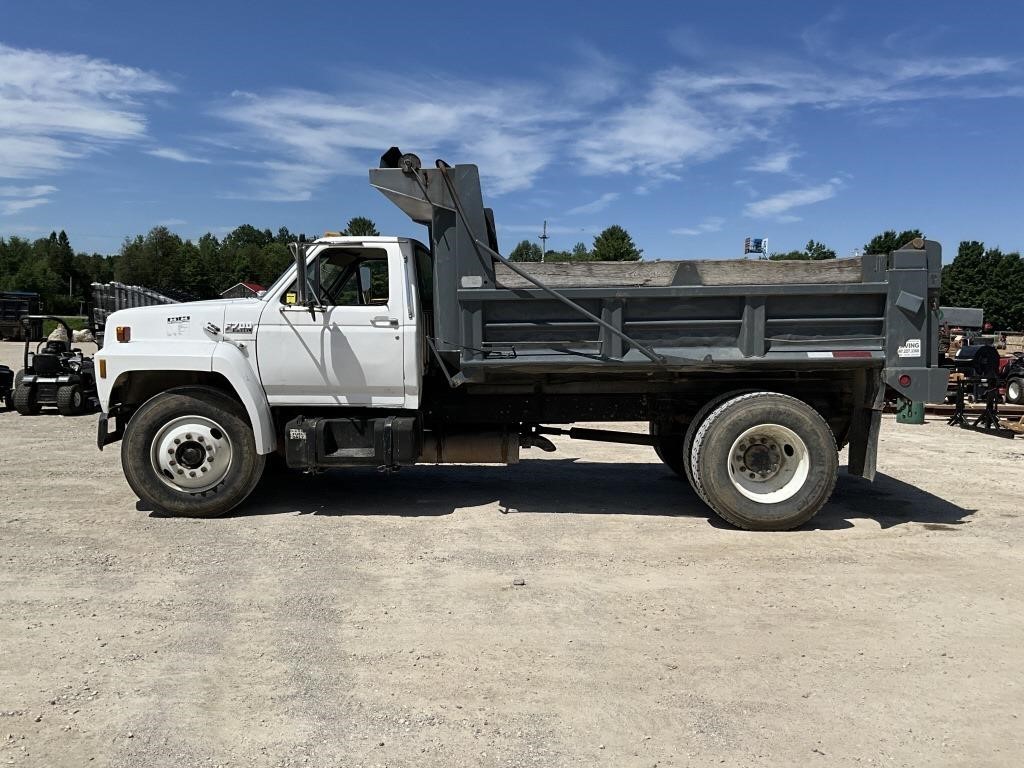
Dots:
{"x": 668, "y": 444}
{"x": 691, "y": 432}
{"x": 1015, "y": 391}
{"x": 190, "y": 452}
{"x": 765, "y": 461}
{"x": 25, "y": 402}
{"x": 70, "y": 400}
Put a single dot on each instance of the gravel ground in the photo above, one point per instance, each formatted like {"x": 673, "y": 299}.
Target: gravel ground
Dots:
{"x": 355, "y": 620}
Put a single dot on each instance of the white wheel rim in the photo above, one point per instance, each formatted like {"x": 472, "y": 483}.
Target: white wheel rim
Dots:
{"x": 191, "y": 454}
{"x": 1013, "y": 391}
{"x": 768, "y": 463}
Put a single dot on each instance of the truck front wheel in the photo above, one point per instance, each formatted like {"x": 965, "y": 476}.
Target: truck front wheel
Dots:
{"x": 190, "y": 452}
{"x": 765, "y": 461}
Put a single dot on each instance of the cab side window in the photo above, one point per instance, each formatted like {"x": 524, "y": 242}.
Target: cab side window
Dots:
{"x": 350, "y": 277}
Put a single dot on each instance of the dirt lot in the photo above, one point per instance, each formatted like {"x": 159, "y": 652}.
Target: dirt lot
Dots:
{"x": 351, "y": 619}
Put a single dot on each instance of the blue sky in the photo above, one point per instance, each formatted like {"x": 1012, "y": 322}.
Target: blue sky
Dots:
{"x": 693, "y": 124}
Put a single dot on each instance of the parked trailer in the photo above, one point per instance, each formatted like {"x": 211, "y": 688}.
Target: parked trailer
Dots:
{"x": 108, "y": 298}
{"x": 13, "y": 305}
{"x": 389, "y": 352}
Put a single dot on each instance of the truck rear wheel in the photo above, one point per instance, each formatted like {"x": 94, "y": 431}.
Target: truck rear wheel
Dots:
{"x": 668, "y": 444}
{"x": 765, "y": 461}
{"x": 691, "y": 432}
{"x": 190, "y": 452}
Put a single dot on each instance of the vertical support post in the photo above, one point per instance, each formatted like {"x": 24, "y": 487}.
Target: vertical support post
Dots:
{"x": 611, "y": 313}
{"x": 751, "y": 338}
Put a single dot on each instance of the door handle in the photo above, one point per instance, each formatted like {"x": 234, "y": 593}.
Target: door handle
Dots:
{"x": 384, "y": 321}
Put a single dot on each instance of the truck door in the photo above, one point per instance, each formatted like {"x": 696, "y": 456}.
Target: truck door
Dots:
{"x": 350, "y": 351}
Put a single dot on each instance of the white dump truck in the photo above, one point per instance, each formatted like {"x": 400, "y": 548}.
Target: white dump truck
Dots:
{"x": 387, "y": 352}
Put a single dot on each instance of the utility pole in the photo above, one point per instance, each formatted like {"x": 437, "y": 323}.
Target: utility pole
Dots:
{"x": 544, "y": 241}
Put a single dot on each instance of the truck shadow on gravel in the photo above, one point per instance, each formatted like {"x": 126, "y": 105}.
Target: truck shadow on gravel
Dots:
{"x": 565, "y": 486}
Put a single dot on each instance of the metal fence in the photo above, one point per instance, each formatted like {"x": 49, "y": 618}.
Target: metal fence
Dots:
{"x": 14, "y": 304}
{"x": 110, "y": 297}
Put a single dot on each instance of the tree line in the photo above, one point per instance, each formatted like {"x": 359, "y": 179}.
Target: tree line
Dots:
{"x": 613, "y": 244}
{"x": 160, "y": 260}
{"x": 163, "y": 261}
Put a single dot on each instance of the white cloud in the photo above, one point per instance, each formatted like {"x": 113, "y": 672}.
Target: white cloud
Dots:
{"x": 778, "y": 206}
{"x": 9, "y": 207}
{"x": 34, "y": 191}
{"x": 776, "y": 162}
{"x": 55, "y": 107}
{"x": 665, "y": 122}
{"x": 507, "y": 130}
{"x": 172, "y": 223}
{"x": 15, "y": 199}
{"x": 178, "y": 155}
{"x": 710, "y": 224}
{"x": 595, "y": 206}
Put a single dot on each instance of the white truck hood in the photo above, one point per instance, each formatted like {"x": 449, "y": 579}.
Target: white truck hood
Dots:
{"x": 189, "y": 320}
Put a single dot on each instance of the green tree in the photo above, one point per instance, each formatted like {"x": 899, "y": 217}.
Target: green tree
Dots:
{"x": 360, "y": 226}
{"x": 274, "y": 258}
{"x": 526, "y": 250}
{"x": 814, "y": 251}
{"x": 615, "y": 244}
{"x": 580, "y": 252}
{"x": 890, "y": 241}
{"x": 986, "y": 278}
{"x": 788, "y": 256}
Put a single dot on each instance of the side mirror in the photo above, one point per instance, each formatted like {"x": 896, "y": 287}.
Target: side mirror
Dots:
{"x": 366, "y": 283}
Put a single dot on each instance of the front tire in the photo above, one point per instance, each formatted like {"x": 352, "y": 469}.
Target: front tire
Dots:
{"x": 70, "y": 400}
{"x": 765, "y": 461}
{"x": 25, "y": 402}
{"x": 190, "y": 452}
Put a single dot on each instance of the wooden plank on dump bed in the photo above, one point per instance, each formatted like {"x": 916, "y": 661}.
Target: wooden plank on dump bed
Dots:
{"x": 597, "y": 274}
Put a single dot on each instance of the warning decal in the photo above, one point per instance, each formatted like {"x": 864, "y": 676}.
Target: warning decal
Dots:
{"x": 912, "y": 348}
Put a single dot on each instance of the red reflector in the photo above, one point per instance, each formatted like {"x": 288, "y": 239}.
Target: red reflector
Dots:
{"x": 852, "y": 353}
{"x": 124, "y": 333}
{"x": 904, "y": 380}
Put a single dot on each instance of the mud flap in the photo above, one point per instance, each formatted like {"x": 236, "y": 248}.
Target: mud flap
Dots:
{"x": 863, "y": 456}
{"x": 869, "y": 395}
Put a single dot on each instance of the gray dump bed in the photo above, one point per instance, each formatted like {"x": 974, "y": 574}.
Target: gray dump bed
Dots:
{"x": 493, "y": 318}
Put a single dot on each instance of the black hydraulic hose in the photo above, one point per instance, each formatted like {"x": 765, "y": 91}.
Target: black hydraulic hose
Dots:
{"x": 477, "y": 244}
